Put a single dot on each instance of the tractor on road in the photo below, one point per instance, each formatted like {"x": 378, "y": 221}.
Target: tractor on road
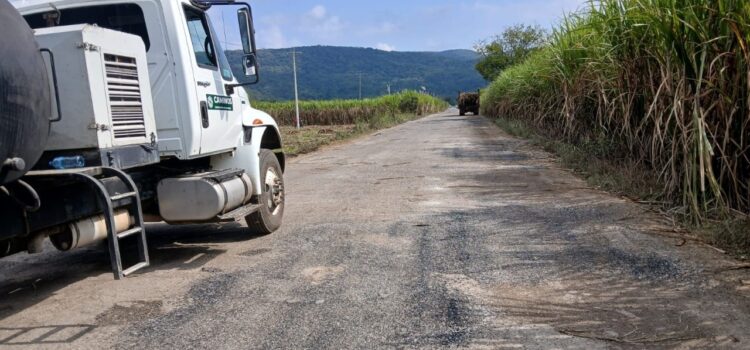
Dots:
{"x": 468, "y": 102}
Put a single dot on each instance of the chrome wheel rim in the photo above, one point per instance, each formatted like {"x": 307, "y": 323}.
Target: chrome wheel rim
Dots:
{"x": 275, "y": 189}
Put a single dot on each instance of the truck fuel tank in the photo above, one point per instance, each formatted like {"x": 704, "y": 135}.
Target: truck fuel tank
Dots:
{"x": 201, "y": 197}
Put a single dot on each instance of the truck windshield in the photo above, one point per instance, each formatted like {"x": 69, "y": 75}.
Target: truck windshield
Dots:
{"x": 126, "y": 18}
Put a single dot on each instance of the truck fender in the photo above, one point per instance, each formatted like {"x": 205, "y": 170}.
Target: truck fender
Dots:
{"x": 271, "y": 138}
{"x": 260, "y": 132}
{"x": 254, "y": 117}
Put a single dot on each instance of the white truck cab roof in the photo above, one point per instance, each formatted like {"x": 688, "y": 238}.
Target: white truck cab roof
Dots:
{"x": 26, "y": 6}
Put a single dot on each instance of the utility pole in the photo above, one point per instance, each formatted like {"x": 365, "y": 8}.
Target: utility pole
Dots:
{"x": 296, "y": 93}
{"x": 360, "y": 86}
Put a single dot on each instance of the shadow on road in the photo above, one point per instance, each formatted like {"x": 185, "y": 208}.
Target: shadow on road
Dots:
{"x": 45, "y": 335}
{"x": 26, "y": 280}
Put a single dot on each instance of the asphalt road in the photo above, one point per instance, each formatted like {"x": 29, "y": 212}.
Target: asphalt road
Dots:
{"x": 442, "y": 232}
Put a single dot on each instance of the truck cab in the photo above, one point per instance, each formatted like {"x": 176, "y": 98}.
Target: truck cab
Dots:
{"x": 144, "y": 90}
{"x": 197, "y": 102}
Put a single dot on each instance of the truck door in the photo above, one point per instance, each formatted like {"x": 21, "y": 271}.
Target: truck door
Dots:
{"x": 220, "y": 113}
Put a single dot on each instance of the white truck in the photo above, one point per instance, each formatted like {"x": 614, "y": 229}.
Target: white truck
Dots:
{"x": 118, "y": 112}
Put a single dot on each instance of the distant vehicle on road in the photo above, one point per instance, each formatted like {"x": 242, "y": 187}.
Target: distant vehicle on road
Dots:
{"x": 468, "y": 102}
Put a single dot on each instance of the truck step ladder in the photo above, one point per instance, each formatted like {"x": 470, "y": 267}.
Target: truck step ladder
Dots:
{"x": 108, "y": 203}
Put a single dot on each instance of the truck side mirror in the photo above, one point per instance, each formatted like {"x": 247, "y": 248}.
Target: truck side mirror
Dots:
{"x": 247, "y": 36}
{"x": 247, "y": 32}
{"x": 250, "y": 65}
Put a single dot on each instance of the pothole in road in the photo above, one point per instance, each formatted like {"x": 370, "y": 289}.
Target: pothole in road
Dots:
{"x": 126, "y": 313}
{"x": 608, "y": 308}
{"x": 599, "y": 307}
{"x": 255, "y": 252}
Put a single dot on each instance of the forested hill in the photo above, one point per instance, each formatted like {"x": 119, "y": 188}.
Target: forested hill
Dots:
{"x": 327, "y": 72}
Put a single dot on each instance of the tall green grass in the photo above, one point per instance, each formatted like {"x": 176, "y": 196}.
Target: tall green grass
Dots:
{"x": 342, "y": 112}
{"x": 666, "y": 81}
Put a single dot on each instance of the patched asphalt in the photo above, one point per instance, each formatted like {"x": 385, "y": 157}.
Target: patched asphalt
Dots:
{"x": 440, "y": 233}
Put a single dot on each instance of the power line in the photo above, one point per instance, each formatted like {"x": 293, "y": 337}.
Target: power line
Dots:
{"x": 224, "y": 25}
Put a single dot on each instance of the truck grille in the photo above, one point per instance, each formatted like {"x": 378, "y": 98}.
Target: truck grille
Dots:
{"x": 124, "y": 97}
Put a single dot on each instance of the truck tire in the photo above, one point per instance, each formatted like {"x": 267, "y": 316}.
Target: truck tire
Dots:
{"x": 268, "y": 218}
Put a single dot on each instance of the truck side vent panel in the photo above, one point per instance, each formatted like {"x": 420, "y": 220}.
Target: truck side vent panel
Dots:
{"x": 124, "y": 93}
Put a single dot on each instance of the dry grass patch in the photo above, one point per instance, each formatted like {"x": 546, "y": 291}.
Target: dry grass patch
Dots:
{"x": 310, "y": 138}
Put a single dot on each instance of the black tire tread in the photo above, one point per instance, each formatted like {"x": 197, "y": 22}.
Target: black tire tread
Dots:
{"x": 257, "y": 223}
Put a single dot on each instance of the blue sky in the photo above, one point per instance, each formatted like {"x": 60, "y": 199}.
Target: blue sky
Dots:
{"x": 402, "y": 25}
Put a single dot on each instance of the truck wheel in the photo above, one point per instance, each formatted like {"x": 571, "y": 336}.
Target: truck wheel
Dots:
{"x": 268, "y": 218}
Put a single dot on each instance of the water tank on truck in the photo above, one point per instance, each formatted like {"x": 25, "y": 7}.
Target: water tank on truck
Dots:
{"x": 25, "y": 99}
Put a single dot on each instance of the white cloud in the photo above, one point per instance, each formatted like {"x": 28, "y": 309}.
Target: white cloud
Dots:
{"x": 331, "y": 25}
{"x": 318, "y": 12}
{"x": 321, "y": 24}
{"x": 385, "y": 47}
{"x": 271, "y": 31}
{"x": 274, "y": 38}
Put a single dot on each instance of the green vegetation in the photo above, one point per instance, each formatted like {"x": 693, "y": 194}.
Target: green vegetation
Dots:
{"x": 343, "y": 112}
{"x": 664, "y": 82}
{"x": 334, "y": 120}
{"x": 508, "y": 49}
{"x": 333, "y": 72}
{"x": 310, "y": 138}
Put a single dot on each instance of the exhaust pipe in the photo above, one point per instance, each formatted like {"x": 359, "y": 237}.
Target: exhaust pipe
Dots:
{"x": 89, "y": 231}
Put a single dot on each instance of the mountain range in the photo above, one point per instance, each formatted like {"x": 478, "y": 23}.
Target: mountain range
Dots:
{"x": 329, "y": 72}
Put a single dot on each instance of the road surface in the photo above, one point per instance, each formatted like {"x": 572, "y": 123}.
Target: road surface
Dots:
{"x": 442, "y": 232}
